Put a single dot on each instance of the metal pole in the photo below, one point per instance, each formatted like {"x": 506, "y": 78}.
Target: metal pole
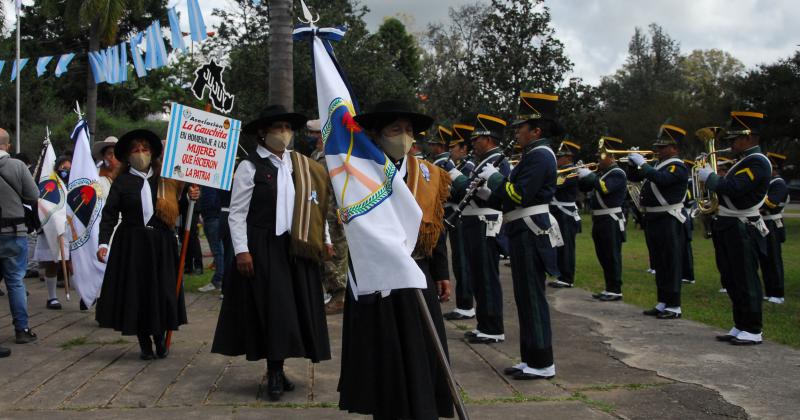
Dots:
{"x": 461, "y": 410}
{"x": 17, "y": 149}
{"x": 184, "y": 245}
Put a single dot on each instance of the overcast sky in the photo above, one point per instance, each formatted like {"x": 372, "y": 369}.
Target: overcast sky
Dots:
{"x": 596, "y": 32}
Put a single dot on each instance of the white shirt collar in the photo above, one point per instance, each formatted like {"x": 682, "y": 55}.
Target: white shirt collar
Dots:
{"x": 265, "y": 153}
{"x": 142, "y": 174}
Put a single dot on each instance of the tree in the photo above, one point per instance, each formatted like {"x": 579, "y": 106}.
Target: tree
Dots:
{"x": 581, "y": 115}
{"x": 518, "y": 52}
{"x": 281, "y": 82}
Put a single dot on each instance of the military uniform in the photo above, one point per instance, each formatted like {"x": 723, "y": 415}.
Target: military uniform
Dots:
{"x": 480, "y": 225}
{"x": 465, "y": 307}
{"x": 533, "y": 235}
{"x": 565, "y": 211}
{"x": 739, "y": 231}
{"x": 609, "y": 189}
{"x": 687, "y": 261}
{"x": 772, "y": 213}
{"x": 662, "y": 195}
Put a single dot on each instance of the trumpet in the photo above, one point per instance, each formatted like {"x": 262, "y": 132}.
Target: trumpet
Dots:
{"x": 604, "y": 151}
{"x": 707, "y": 202}
{"x": 572, "y": 172}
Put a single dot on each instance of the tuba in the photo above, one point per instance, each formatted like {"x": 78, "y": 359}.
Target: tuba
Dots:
{"x": 707, "y": 202}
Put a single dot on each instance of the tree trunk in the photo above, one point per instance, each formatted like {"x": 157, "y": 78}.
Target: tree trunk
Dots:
{"x": 91, "y": 86}
{"x": 281, "y": 81}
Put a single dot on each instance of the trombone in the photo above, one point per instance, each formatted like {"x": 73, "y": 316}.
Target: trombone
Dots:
{"x": 572, "y": 172}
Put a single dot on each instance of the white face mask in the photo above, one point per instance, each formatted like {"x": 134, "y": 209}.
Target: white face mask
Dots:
{"x": 140, "y": 161}
{"x": 278, "y": 140}
{"x": 396, "y": 146}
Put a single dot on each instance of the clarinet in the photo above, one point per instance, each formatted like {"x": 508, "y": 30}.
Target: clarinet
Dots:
{"x": 474, "y": 184}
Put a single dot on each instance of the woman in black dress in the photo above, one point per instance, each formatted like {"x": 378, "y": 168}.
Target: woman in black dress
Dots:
{"x": 389, "y": 364}
{"x": 138, "y": 295}
{"x": 273, "y": 307}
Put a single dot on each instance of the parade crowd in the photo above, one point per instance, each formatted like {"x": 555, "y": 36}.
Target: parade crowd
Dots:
{"x": 488, "y": 189}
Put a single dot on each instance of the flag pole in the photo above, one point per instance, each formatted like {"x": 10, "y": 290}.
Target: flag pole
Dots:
{"x": 64, "y": 265}
{"x": 187, "y": 227}
{"x": 17, "y": 146}
{"x": 461, "y": 410}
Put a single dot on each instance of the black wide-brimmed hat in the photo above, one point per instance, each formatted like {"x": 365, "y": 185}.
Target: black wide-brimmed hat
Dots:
{"x": 123, "y": 146}
{"x": 461, "y": 133}
{"x": 386, "y": 112}
{"x": 568, "y": 148}
{"x": 272, "y": 114}
{"x": 743, "y": 123}
{"x": 670, "y": 135}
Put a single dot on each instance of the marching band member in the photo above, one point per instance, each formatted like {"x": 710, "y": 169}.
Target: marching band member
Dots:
{"x": 738, "y": 230}
{"x": 273, "y": 307}
{"x": 564, "y": 209}
{"x": 609, "y": 186}
{"x": 138, "y": 295}
{"x": 533, "y": 233}
{"x": 772, "y": 213}
{"x": 465, "y": 307}
{"x": 687, "y": 262}
{"x": 389, "y": 363}
{"x": 663, "y": 193}
{"x": 438, "y": 147}
{"x": 481, "y": 224}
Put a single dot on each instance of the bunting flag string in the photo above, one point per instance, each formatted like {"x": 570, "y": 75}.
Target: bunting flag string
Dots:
{"x": 147, "y": 50}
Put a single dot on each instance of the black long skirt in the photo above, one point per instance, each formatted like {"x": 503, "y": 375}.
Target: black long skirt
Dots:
{"x": 277, "y": 314}
{"x": 389, "y": 363}
{"x": 138, "y": 294}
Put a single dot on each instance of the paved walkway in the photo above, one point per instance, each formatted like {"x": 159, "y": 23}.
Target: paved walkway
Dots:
{"x": 611, "y": 363}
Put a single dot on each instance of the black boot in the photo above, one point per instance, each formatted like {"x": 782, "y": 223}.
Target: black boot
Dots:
{"x": 146, "y": 347}
{"x": 161, "y": 345}
{"x": 275, "y": 385}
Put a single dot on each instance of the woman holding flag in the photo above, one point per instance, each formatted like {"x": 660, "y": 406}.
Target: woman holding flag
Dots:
{"x": 49, "y": 258}
{"x": 389, "y": 362}
{"x": 138, "y": 295}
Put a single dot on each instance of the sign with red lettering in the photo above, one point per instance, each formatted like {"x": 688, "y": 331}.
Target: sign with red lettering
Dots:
{"x": 201, "y": 147}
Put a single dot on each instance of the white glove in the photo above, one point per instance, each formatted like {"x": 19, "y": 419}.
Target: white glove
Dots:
{"x": 636, "y": 159}
{"x": 474, "y": 183}
{"x": 487, "y": 172}
{"x": 583, "y": 173}
{"x": 454, "y": 173}
{"x": 704, "y": 173}
{"x": 483, "y": 192}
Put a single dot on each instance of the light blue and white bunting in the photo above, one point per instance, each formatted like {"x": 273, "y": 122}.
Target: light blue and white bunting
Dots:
{"x": 175, "y": 29}
{"x": 14, "y": 71}
{"x": 136, "y": 55}
{"x": 63, "y": 62}
{"x": 196, "y": 24}
{"x": 2, "y": 64}
{"x": 41, "y": 65}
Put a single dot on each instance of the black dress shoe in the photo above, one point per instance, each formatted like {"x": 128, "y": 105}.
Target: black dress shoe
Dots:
{"x": 511, "y": 371}
{"x": 470, "y": 334}
{"x": 83, "y": 306}
{"x": 2, "y": 293}
{"x": 53, "y": 304}
{"x": 484, "y": 340}
{"x": 652, "y": 312}
{"x": 737, "y": 342}
{"x": 598, "y": 295}
{"x": 275, "y": 385}
{"x": 455, "y": 316}
{"x": 147, "y": 356}
{"x": 522, "y": 376}
{"x": 726, "y": 337}
{"x": 4, "y": 352}
{"x": 668, "y": 315}
{"x": 559, "y": 285}
{"x": 609, "y": 298}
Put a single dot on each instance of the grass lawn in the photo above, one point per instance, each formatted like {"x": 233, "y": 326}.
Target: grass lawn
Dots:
{"x": 700, "y": 301}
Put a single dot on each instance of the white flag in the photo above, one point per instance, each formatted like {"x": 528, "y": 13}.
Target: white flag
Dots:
{"x": 52, "y": 208}
{"x": 380, "y": 215}
{"x": 84, "y": 207}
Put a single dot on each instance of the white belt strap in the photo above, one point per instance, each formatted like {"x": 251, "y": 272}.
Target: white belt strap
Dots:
{"x": 674, "y": 210}
{"x": 613, "y": 212}
{"x": 773, "y": 216}
{"x": 744, "y": 214}
{"x": 527, "y": 211}
{"x": 480, "y": 211}
{"x": 562, "y": 206}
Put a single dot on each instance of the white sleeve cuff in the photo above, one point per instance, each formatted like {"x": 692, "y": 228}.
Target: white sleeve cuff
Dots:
{"x": 103, "y": 246}
{"x": 454, "y": 173}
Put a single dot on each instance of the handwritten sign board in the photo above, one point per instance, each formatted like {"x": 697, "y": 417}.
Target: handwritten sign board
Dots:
{"x": 201, "y": 147}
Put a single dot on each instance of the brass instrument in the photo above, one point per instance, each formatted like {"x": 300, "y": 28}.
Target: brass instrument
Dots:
{"x": 707, "y": 202}
{"x": 604, "y": 151}
{"x": 572, "y": 172}
{"x": 635, "y": 193}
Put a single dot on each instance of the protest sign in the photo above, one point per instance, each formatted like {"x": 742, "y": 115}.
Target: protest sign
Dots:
{"x": 201, "y": 147}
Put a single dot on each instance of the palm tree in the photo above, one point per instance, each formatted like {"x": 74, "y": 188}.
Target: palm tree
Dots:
{"x": 101, "y": 18}
{"x": 281, "y": 81}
